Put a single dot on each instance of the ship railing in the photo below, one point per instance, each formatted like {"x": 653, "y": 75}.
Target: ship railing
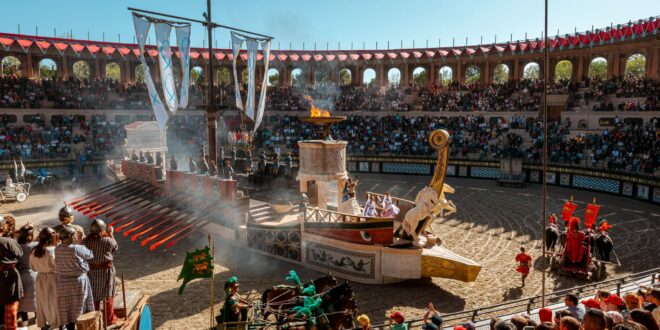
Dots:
{"x": 313, "y": 214}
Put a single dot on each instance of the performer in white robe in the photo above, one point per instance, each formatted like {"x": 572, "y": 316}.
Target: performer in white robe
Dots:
{"x": 389, "y": 210}
{"x": 42, "y": 261}
{"x": 371, "y": 208}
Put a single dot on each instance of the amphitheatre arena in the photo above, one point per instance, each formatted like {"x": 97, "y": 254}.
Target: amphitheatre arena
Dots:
{"x": 72, "y": 111}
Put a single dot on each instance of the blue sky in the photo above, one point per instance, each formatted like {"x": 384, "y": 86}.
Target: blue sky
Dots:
{"x": 293, "y": 22}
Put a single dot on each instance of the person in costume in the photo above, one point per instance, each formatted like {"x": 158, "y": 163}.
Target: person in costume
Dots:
{"x": 524, "y": 261}
{"x": 227, "y": 170}
{"x": 288, "y": 164}
{"x": 352, "y": 184}
{"x": 213, "y": 169}
{"x": 397, "y": 321}
{"x": 74, "y": 291}
{"x": 66, "y": 220}
{"x": 234, "y": 307}
{"x": 148, "y": 157}
{"x": 11, "y": 286}
{"x": 261, "y": 167}
{"x": 173, "y": 164}
{"x": 203, "y": 166}
{"x": 192, "y": 166}
{"x": 574, "y": 250}
{"x": 101, "y": 242}
{"x": 389, "y": 209}
{"x": 159, "y": 159}
{"x": 141, "y": 159}
{"x": 365, "y": 323}
{"x": 371, "y": 207}
{"x": 28, "y": 277}
{"x": 275, "y": 166}
{"x": 134, "y": 156}
{"x": 42, "y": 261}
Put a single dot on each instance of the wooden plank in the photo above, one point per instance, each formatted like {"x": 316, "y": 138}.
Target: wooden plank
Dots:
{"x": 132, "y": 298}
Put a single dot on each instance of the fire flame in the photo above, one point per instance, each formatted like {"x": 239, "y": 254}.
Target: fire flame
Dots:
{"x": 315, "y": 111}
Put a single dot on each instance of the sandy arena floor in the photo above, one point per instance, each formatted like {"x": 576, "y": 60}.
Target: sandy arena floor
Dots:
{"x": 491, "y": 223}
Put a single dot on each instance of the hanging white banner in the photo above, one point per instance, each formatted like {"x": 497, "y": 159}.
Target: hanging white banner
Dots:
{"x": 236, "y": 45}
{"x": 252, "y": 48}
{"x": 183, "y": 42}
{"x": 163, "y": 31}
{"x": 141, "y": 32}
{"x": 265, "y": 48}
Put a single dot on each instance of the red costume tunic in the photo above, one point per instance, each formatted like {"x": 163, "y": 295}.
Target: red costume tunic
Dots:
{"x": 574, "y": 246}
{"x": 524, "y": 261}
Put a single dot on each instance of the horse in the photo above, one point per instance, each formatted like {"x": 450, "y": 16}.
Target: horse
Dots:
{"x": 339, "y": 307}
{"x": 551, "y": 236}
{"x": 604, "y": 247}
{"x": 283, "y": 296}
{"x": 426, "y": 203}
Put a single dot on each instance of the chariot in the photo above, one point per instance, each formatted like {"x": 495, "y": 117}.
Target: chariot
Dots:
{"x": 15, "y": 192}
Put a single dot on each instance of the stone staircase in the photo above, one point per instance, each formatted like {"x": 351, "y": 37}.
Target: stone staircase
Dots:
{"x": 526, "y": 139}
{"x": 262, "y": 212}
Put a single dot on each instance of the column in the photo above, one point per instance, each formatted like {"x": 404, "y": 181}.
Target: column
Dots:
{"x": 406, "y": 76}
{"x": 26, "y": 66}
{"x": 486, "y": 77}
{"x": 432, "y": 75}
{"x": 459, "y": 74}
{"x": 516, "y": 69}
{"x": 580, "y": 69}
{"x": 97, "y": 69}
{"x": 65, "y": 67}
{"x": 652, "y": 63}
{"x": 381, "y": 76}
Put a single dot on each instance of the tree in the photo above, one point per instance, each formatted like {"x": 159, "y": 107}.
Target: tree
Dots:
{"x": 345, "y": 77}
{"x": 113, "y": 71}
{"x": 446, "y": 74}
{"x": 81, "y": 70}
{"x": 274, "y": 79}
{"x": 532, "y": 71}
{"x": 472, "y": 75}
{"x": 223, "y": 76}
{"x": 501, "y": 74}
{"x": 419, "y": 78}
{"x": 11, "y": 66}
{"x": 394, "y": 77}
{"x": 321, "y": 77}
{"x": 139, "y": 74}
{"x": 598, "y": 68}
{"x": 197, "y": 76}
{"x": 636, "y": 66}
{"x": 297, "y": 78}
{"x": 563, "y": 70}
{"x": 47, "y": 69}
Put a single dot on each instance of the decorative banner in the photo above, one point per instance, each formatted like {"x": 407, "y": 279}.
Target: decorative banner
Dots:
{"x": 252, "y": 48}
{"x": 183, "y": 41}
{"x": 141, "y": 32}
{"x": 165, "y": 64}
{"x": 590, "y": 215}
{"x": 567, "y": 210}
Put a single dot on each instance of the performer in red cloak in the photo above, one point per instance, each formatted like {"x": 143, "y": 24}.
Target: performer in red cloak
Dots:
{"x": 524, "y": 261}
{"x": 574, "y": 242}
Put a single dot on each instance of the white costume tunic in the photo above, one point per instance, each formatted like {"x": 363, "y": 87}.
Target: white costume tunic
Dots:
{"x": 46, "y": 288}
{"x": 370, "y": 209}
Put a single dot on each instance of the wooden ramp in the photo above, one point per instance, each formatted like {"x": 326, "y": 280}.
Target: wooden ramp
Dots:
{"x": 439, "y": 261}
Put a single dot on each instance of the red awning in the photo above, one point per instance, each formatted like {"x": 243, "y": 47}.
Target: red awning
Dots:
{"x": 342, "y": 57}
{"x": 330, "y": 57}
{"x": 429, "y": 53}
{"x": 499, "y": 49}
{"x": 260, "y": 57}
{"x": 136, "y": 52}
{"x": 484, "y": 50}
{"x": 405, "y": 55}
{"x": 109, "y": 50}
{"x": 7, "y": 42}
{"x": 470, "y": 51}
{"x": 511, "y": 47}
{"x": 366, "y": 56}
{"x": 43, "y": 45}
{"x": 244, "y": 56}
{"x": 271, "y": 57}
{"x": 379, "y": 56}
{"x": 93, "y": 49}
{"x": 124, "y": 51}
{"x": 61, "y": 46}
{"x": 77, "y": 48}
{"x": 194, "y": 55}
{"x": 522, "y": 46}
{"x": 220, "y": 56}
{"x": 306, "y": 57}
{"x": 282, "y": 57}
{"x": 25, "y": 43}
{"x": 318, "y": 57}
{"x": 152, "y": 52}
{"x": 205, "y": 55}
{"x": 443, "y": 53}
{"x": 417, "y": 54}
{"x": 392, "y": 56}
{"x": 294, "y": 57}
{"x": 456, "y": 52}
{"x": 355, "y": 57}
{"x": 230, "y": 56}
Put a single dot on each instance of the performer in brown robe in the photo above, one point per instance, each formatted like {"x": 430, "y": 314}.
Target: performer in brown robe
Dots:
{"x": 11, "y": 287}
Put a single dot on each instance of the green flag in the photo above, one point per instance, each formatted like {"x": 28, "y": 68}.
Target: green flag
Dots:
{"x": 198, "y": 264}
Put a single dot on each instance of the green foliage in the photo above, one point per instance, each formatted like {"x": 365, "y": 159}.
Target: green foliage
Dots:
{"x": 139, "y": 74}
{"x": 321, "y": 77}
{"x": 419, "y": 78}
{"x": 297, "y": 78}
{"x": 472, "y": 74}
{"x": 47, "y": 69}
{"x": 345, "y": 77}
{"x": 113, "y": 71}
{"x": 11, "y": 66}
{"x": 563, "y": 70}
{"x": 532, "y": 71}
{"x": 273, "y": 77}
{"x": 394, "y": 77}
{"x": 223, "y": 76}
{"x": 81, "y": 70}
{"x": 598, "y": 68}
{"x": 636, "y": 66}
{"x": 501, "y": 74}
{"x": 244, "y": 77}
{"x": 446, "y": 75}
{"x": 197, "y": 75}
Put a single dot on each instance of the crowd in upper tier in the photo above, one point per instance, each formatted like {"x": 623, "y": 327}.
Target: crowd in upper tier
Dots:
{"x": 524, "y": 95}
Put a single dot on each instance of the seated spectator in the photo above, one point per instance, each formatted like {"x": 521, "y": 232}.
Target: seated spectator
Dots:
{"x": 594, "y": 319}
{"x": 432, "y": 319}
{"x": 644, "y": 318}
{"x": 574, "y": 306}
{"x": 569, "y": 323}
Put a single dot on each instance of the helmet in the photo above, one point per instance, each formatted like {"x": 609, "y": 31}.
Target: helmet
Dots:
{"x": 66, "y": 212}
{"x": 67, "y": 233}
{"x": 97, "y": 226}
{"x": 46, "y": 234}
